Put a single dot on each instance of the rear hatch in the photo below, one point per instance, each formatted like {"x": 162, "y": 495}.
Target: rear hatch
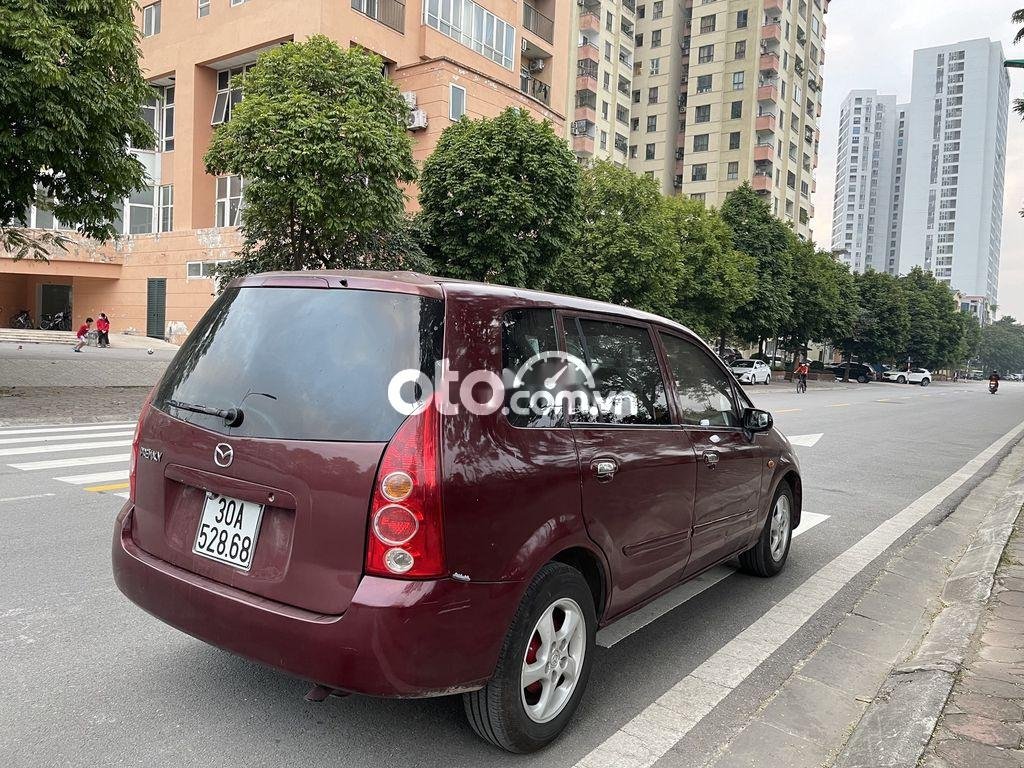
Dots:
{"x": 308, "y": 366}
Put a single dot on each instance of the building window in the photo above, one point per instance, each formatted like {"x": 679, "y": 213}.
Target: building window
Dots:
{"x": 203, "y": 269}
{"x": 705, "y": 54}
{"x": 741, "y": 49}
{"x": 658, "y": 9}
{"x": 237, "y": 2}
{"x": 228, "y": 93}
{"x": 204, "y": 8}
{"x": 736, "y": 110}
{"x": 652, "y": 123}
{"x": 702, "y": 114}
{"x": 655, "y": 66}
{"x": 733, "y": 171}
{"x": 704, "y": 83}
{"x": 707, "y": 24}
{"x": 741, "y": 19}
{"x": 652, "y": 95}
{"x": 655, "y": 38}
{"x": 738, "y": 79}
{"x": 151, "y": 20}
{"x": 167, "y": 122}
{"x": 698, "y": 196}
{"x": 700, "y": 172}
{"x": 229, "y": 200}
{"x": 734, "y": 140}
{"x": 165, "y": 203}
{"x": 140, "y": 211}
{"x": 474, "y": 27}
{"x": 456, "y": 102}
{"x": 638, "y": 40}
{"x": 636, "y": 96}
{"x": 632, "y": 152}
{"x": 649, "y": 152}
{"x": 700, "y": 142}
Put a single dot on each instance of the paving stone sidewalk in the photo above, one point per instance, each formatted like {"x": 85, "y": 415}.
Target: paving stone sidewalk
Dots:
{"x": 982, "y": 725}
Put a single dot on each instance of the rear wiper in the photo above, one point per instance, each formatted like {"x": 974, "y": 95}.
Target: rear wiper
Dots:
{"x": 232, "y": 416}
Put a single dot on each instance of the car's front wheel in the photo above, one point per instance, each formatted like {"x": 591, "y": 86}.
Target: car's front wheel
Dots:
{"x": 768, "y": 556}
{"x": 768, "y": 379}
{"x": 925, "y": 382}
{"x": 901, "y": 380}
{"x": 544, "y": 664}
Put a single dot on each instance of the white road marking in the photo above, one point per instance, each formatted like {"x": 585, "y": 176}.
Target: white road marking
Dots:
{"x": 26, "y": 498}
{"x": 642, "y": 741}
{"x": 95, "y": 477}
{"x": 122, "y": 495}
{"x": 78, "y": 461}
{"x": 805, "y": 440}
{"x": 655, "y": 609}
{"x": 63, "y": 447}
{"x": 57, "y": 438}
{"x": 41, "y": 430}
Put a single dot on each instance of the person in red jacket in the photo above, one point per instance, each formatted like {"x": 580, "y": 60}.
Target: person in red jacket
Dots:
{"x": 83, "y": 331}
{"x": 103, "y": 329}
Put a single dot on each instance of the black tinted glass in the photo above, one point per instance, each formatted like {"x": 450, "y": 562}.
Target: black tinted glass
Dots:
{"x": 304, "y": 364}
{"x": 704, "y": 391}
{"x": 526, "y": 335}
{"x": 622, "y": 360}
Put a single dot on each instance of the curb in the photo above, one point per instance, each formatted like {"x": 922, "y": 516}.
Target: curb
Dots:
{"x": 898, "y": 724}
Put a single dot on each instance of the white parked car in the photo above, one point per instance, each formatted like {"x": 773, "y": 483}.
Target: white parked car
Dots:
{"x": 751, "y": 371}
{"x": 913, "y": 376}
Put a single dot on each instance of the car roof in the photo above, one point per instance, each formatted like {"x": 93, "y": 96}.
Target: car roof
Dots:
{"x": 429, "y": 285}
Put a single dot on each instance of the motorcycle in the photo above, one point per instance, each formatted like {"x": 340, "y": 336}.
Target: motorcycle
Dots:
{"x": 993, "y": 387}
{"x": 58, "y": 321}
{"x": 21, "y": 320}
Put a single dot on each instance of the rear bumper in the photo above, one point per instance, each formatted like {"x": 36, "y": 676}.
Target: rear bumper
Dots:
{"x": 397, "y": 638}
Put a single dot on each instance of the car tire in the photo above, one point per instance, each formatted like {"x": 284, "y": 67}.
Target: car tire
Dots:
{"x": 767, "y": 379}
{"x": 901, "y": 379}
{"x": 925, "y": 382}
{"x": 862, "y": 379}
{"x": 503, "y": 712}
{"x": 768, "y": 557}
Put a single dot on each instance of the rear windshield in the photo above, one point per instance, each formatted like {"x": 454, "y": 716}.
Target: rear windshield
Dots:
{"x": 303, "y": 364}
{"x": 743, "y": 364}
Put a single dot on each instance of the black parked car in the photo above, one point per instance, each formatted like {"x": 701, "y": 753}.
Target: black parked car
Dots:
{"x": 858, "y": 371}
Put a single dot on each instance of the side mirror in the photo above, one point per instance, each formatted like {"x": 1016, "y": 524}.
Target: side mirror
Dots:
{"x": 756, "y": 420}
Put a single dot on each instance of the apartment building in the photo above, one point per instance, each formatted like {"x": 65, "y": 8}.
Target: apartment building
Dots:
{"x": 953, "y": 206}
{"x": 449, "y": 57}
{"x": 730, "y": 91}
{"x": 866, "y": 179}
{"x": 600, "y": 94}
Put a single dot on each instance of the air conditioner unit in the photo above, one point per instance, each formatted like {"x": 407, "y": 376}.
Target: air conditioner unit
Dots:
{"x": 525, "y": 45}
{"x": 536, "y": 65}
{"x": 410, "y": 98}
{"x": 417, "y": 120}
{"x": 579, "y": 128}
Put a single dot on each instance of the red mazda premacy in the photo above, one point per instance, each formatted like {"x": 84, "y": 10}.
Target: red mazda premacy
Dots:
{"x": 398, "y": 485}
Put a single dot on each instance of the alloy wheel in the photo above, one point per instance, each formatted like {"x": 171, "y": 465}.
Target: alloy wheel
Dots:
{"x": 779, "y": 528}
{"x": 553, "y": 660}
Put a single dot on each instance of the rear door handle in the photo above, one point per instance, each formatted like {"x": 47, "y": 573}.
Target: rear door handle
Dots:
{"x": 711, "y": 459}
{"x": 605, "y": 469}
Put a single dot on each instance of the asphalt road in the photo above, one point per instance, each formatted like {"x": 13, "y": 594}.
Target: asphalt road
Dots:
{"x": 88, "y": 679}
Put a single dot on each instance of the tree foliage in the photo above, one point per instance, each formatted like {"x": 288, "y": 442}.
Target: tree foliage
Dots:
{"x": 320, "y": 139}
{"x": 624, "y": 252}
{"x": 1002, "y": 346}
{"x": 499, "y": 200}
{"x": 935, "y": 331}
{"x": 70, "y": 91}
{"x": 758, "y": 233}
{"x": 825, "y": 297}
{"x": 882, "y": 322}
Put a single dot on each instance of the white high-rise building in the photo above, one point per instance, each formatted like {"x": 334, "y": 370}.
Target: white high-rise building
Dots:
{"x": 865, "y": 180}
{"x": 952, "y": 202}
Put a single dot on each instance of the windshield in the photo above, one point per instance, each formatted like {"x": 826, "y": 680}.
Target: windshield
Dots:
{"x": 303, "y": 364}
{"x": 743, "y": 364}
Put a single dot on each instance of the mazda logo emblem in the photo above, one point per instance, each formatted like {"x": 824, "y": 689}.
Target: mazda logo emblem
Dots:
{"x": 223, "y": 455}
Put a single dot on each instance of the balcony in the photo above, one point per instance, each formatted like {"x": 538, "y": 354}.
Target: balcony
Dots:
{"x": 774, "y": 5}
{"x": 590, "y": 52}
{"x": 390, "y": 13}
{"x": 764, "y": 123}
{"x": 583, "y": 145}
{"x": 764, "y": 153}
{"x": 772, "y": 33}
{"x": 538, "y": 23}
{"x": 768, "y": 93}
{"x": 535, "y": 89}
{"x": 586, "y": 76}
{"x": 761, "y": 182}
{"x": 585, "y": 112}
{"x": 769, "y": 62}
{"x": 590, "y": 22}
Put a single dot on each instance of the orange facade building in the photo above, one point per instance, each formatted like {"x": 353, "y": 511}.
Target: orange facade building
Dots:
{"x": 449, "y": 57}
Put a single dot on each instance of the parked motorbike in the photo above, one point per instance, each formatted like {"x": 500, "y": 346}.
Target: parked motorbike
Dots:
{"x": 21, "y": 320}
{"x": 58, "y": 321}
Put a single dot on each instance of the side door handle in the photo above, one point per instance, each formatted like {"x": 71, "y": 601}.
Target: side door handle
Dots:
{"x": 711, "y": 459}
{"x": 604, "y": 469}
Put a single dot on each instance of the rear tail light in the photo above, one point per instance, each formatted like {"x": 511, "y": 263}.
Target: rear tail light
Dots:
{"x": 133, "y": 459}
{"x": 405, "y": 537}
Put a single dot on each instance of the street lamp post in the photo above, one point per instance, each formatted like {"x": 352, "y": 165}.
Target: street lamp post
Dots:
{"x": 1014, "y": 63}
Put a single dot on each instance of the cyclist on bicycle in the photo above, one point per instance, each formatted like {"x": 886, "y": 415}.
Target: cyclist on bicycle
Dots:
{"x": 801, "y": 373}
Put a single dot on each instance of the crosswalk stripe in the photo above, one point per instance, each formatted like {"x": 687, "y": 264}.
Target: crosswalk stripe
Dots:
{"x": 122, "y": 495}
{"x": 95, "y": 477}
{"x": 57, "y": 438}
{"x": 78, "y": 461}
{"x": 54, "y": 430}
{"x": 63, "y": 447}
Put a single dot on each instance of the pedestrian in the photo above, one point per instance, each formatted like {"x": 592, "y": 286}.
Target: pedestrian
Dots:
{"x": 103, "y": 330}
{"x": 83, "y": 331}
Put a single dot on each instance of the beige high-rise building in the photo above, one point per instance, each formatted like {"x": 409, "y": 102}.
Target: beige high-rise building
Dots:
{"x": 727, "y": 91}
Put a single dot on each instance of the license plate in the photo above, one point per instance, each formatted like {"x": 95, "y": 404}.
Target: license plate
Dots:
{"x": 228, "y": 530}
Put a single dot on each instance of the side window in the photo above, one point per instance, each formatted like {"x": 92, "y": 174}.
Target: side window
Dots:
{"x": 628, "y": 386}
{"x": 705, "y": 394}
{"x": 525, "y": 335}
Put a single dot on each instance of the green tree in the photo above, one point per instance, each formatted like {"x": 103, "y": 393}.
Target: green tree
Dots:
{"x": 320, "y": 140}
{"x": 882, "y": 323}
{"x": 624, "y": 252}
{"x": 935, "y": 331}
{"x": 759, "y": 234}
{"x": 499, "y": 200}
{"x": 70, "y": 92}
{"x": 1002, "y": 346}
{"x": 969, "y": 344}
{"x": 824, "y": 297}
{"x": 715, "y": 280}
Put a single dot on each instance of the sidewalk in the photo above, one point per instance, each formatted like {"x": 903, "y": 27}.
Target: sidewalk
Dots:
{"x": 120, "y": 340}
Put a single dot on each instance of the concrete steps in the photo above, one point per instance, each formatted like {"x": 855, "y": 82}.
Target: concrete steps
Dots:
{"x": 31, "y": 336}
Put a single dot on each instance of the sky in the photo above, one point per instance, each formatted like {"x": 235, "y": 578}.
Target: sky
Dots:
{"x": 870, "y": 44}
